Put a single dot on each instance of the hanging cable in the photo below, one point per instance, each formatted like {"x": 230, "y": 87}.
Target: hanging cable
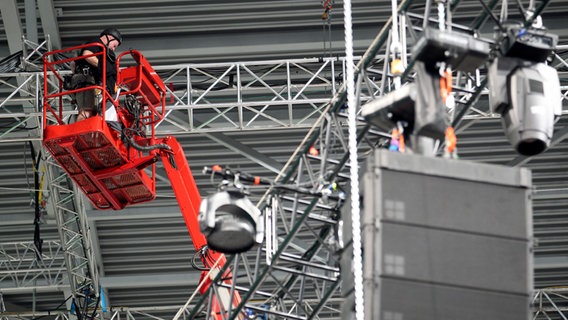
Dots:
{"x": 450, "y": 140}
{"x": 326, "y": 19}
{"x": 201, "y": 253}
{"x": 449, "y": 15}
{"x": 403, "y": 43}
{"x": 354, "y": 167}
{"x": 38, "y": 241}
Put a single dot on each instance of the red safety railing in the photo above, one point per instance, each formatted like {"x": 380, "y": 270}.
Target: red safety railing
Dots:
{"x": 142, "y": 81}
{"x": 53, "y": 95}
{"x": 110, "y": 172}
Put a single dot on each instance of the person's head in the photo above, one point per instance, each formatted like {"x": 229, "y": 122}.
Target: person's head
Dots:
{"x": 111, "y": 37}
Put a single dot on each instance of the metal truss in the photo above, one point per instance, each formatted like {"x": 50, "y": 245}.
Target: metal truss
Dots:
{"x": 550, "y": 303}
{"x": 288, "y": 267}
{"x": 295, "y": 273}
{"x": 80, "y": 259}
{"x": 247, "y": 95}
{"x": 34, "y": 315}
{"x": 242, "y": 96}
{"x": 68, "y": 264}
{"x": 23, "y": 268}
{"x": 213, "y": 97}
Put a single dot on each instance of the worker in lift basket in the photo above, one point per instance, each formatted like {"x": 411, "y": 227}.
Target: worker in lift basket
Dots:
{"x": 88, "y": 72}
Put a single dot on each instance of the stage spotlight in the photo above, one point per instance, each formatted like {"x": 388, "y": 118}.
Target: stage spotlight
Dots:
{"x": 461, "y": 51}
{"x": 526, "y": 94}
{"x": 419, "y": 106}
{"x": 393, "y": 107}
{"x": 526, "y": 43}
{"x": 230, "y": 222}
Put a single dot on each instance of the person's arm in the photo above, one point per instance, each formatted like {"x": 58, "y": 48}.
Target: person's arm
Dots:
{"x": 94, "y": 61}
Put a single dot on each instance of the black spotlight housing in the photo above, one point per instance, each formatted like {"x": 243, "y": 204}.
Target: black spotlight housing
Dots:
{"x": 462, "y": 51}
{"x": 230, "y": 222}
{"x": 526, "y": 43}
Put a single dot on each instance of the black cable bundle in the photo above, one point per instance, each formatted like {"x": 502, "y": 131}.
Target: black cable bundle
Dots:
{"x": 11, "y": 63}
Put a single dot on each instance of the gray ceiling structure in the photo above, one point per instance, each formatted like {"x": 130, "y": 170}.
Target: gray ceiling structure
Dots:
{"x": 252, "y": 84}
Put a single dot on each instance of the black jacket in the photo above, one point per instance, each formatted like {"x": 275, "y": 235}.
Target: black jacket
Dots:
{"x": 97, "y": 71}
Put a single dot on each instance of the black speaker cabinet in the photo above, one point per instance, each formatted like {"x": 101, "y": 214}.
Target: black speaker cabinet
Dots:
{"x": 442, "y": 240}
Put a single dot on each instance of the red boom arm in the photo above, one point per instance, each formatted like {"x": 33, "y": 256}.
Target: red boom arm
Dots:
{"x": 188, "y": 198}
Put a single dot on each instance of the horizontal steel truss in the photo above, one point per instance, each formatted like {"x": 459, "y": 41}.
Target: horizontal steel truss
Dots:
{"x": 23, "y": 268}
{"x": 241, "y": 96}
{"x": 238, "y": 96}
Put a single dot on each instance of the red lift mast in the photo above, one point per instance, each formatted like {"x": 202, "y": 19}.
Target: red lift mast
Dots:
{"x": 117, "y": 168}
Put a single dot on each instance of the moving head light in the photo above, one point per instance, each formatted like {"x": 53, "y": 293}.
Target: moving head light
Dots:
{"x": 393, "y": 107}
{"x": 523, "y": 89}
{"x": 230, "y": 222}
{"x": 526, "y": 94}
{"x": 463, "y": 52}
{"x": 420, "y": 105}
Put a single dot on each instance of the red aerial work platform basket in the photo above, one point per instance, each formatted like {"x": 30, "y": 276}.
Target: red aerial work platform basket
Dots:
{"x": 97, "y": 161}
{"x": 111, "y": 173}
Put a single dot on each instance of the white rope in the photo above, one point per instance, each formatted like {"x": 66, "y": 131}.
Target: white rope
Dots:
{"x": 395, "y": 36}
{"x": 441, "y": 16}
{"x": 395, "y": 44}
{"x": 354, "y": 167}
